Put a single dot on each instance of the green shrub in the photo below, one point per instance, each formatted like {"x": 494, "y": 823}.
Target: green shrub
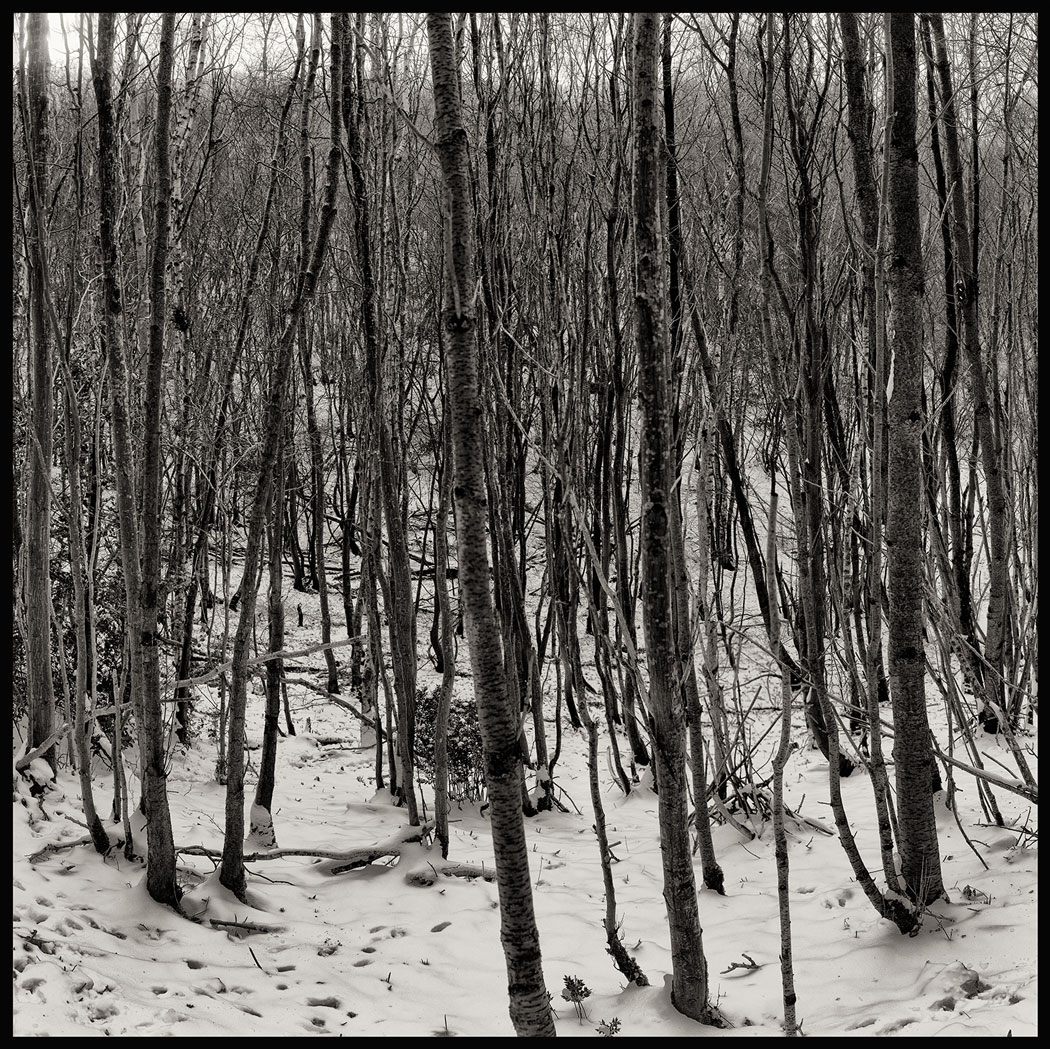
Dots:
{"x": 466, "y": 762}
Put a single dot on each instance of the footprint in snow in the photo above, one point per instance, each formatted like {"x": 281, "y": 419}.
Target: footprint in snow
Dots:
{"x": 896, "y": 1026}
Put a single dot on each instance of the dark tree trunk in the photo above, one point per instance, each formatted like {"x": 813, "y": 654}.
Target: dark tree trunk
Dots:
{"x": 689, "y": 983}
{"x": 529, "y": 1001}
{"x": 40, "y": 686}
{"x": 912, "y": 750}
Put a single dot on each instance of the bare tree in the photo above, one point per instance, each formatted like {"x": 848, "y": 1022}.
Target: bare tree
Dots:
{"x": 912, "y": 751}
{"x": 37, "y": 579}
{"x": 529, "y": 1002}
{"x": 138, "y": 572}
{"x": 231, "y": 872}
{"x": 689, "y": 985}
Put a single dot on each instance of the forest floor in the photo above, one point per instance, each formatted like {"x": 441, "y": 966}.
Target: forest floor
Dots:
{"x": 365, "y": 953}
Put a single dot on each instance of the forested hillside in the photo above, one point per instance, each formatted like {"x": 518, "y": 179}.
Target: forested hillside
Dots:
{"x": 569, "y": 480}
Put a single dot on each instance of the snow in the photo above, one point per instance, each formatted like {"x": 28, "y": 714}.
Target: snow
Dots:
{"x": 368, "y": 953}
{"x": 364, "y": 953}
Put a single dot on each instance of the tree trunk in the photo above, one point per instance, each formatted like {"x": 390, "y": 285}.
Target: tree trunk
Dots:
{"x": 397, "y": 591}
{"x": 912, "y": 752}
{"x": 529, "y": 1001}
{"x": 689, "y": 984}
{"x": 985, "y": 400}
{"x": 40, "y": 687}
{"x": 261, "y": 827}
{"x": 232, "y": 873}
{"x": 160, "y": 869}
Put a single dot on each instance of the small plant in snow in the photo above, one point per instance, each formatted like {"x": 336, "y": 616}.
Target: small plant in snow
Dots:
{"x": 576, "y": 991}
{"x": 607, "y": 1030}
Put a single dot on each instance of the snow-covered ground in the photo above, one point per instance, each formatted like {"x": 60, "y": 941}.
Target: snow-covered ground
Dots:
{"x": 365, "y": 953}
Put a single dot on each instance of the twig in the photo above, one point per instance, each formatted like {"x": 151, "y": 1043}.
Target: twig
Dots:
{"x": 750, "y": 964}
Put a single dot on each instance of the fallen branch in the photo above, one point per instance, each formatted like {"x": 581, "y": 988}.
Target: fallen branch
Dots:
{"x": 248, "y": 927}
{"x": 424, "y": 879}
{"x": 42, "y": 854}
{"x": 352, "y": 857}
{"x": 813, "y": 824}
{"x": 26, "y": 760}
{"x": 338, "y": 700}
{"x": 1015, "y": 786}
{"x": 214, "y": 674}
{"x": 750, "y": 964}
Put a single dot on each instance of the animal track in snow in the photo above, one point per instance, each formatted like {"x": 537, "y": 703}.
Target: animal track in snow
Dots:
{"x": 861, "y": 1023}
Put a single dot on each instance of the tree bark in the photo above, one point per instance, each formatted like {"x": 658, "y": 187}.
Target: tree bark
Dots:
{"x": 160, "y": 869}
{"x": 997, "y": 619}
{"x": 912, "y": 752}
{"x": 231, "y": 873}
{"x": 40, "y": 686}
{"x": 689, "y": 983}
{"x": 529, "y": 1002}
{"x": 160, "y": 875}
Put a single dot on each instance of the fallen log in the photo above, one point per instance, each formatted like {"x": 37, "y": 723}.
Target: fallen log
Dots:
{"x": 349, "y": 858}
{"x": 424, "y": 879}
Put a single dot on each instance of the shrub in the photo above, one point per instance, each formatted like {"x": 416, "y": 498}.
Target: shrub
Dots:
{"x": 466, "y": 762}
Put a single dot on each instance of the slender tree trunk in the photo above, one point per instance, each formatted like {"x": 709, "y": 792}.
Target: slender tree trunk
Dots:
{"x": 689, "y": 984}
{"x": 912, "y": 751}
{"x": 231, "y": 872}
{"x": 529, "y": 1001}
{"x": 780, "y": 757}
{"x": 317, "y": 488}
{"x": 160, "y": 869}
{"x": 873, "y": 288}
{"x": 448, "y": 650}
{"x": 261, "y": 826}
{"x": 397, "y": 594}
{"x": 37, "y": 579}
{"x": 83, "y": 618}
{"x": 985, "y": 401}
